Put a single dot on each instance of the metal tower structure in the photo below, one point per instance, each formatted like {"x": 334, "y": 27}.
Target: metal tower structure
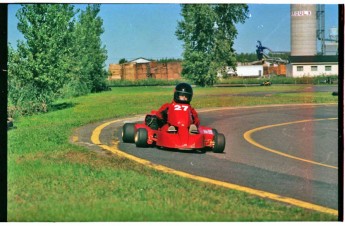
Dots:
{"x": 320, "y": 16}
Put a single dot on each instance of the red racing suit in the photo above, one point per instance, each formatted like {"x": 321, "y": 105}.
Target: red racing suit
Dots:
{"x": 162, "y": 114}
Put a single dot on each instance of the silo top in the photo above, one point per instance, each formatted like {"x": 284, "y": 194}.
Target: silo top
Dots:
{"x": 303, "y": 30}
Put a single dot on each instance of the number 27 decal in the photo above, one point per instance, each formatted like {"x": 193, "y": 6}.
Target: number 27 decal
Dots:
{"x": 180, "y": 108}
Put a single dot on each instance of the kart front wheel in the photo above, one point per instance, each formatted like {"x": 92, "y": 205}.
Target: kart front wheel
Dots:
{"x": 128, "y": 132}
{"x": 141, "y": 137}
{"x": 219, "y": 143}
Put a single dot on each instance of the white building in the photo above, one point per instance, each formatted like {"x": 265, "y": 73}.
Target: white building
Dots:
{"x": 246, "y": 71}
{"x": 140, "y": 61}
{"x": 310, "y": 66}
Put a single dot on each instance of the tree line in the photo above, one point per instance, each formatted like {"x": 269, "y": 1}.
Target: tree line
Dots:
{"x": 250, "y": 57}
{"x": 62, "y": 55}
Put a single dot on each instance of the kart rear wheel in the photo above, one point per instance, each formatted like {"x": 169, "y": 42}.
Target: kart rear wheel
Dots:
{"x": 219, "y": 143}
{"x": 128, "y": 132}
{"x": 140, "y": 138}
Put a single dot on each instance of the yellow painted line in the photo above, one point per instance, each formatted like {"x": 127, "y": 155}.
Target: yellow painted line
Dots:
{"x": 74, "y": 139}
{"x": 248, "y": 137}
{"x": 96, "y": 140}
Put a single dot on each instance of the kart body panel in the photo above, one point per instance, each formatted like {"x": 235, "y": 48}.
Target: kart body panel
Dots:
{"x": 181, "y": 137}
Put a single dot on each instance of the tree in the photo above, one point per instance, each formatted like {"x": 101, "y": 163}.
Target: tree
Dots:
{"x": 208, "y": 32}
{"x": 59, "y": 57}
{"x": 39, "y": 67}
{"x": 122, "y": 61}
{"x": 90, "y": 54}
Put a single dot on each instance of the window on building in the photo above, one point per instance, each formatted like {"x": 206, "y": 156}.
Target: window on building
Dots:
{"x": 313, "y": 68}
{"x": 299, "y": 68}
{"x": 328, "y": 68}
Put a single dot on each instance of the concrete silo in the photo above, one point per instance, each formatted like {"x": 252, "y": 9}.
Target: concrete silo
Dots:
{"x": 303, "y": 30}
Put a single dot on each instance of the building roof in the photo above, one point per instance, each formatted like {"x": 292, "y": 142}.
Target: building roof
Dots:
{"x": 140, "y": 61}
{"x": 313, "y": 59}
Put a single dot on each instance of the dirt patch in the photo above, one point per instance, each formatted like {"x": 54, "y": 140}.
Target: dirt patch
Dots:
{"x": 89, "y": 158}
{"x": 29, "y": 157}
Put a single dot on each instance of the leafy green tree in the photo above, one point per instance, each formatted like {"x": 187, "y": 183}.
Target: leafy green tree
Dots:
{"x": 40, "y": 66}
{"x": 208, "y": 32}
{"x": 122, "y": 61}
{"x": 90, "y": 54}
{"x": 59, "y": 57}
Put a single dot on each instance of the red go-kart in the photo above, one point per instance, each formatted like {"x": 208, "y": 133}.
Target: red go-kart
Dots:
{"x": 178, "y": 137}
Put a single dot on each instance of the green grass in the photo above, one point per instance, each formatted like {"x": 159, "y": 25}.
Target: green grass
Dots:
{"x": 143, "y": 82}
{"x": 50, "y": 179}
{"x": 282, "y": 80}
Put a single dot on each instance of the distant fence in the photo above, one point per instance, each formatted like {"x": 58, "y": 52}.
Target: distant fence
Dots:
{"x": 140, "y": 71}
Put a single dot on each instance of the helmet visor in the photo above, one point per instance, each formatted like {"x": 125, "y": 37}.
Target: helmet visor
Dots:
{"x": 184, "y": 97}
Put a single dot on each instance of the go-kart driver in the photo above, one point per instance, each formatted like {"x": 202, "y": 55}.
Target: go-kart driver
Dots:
{"x": 183, "y": 94}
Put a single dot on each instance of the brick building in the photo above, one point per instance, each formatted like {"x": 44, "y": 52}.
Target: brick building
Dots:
{"x": 142, "y": 68}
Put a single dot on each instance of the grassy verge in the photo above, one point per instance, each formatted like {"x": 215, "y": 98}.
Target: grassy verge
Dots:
{"x": 320, "y": 80}
{"x": 145, "y": 82}
{"x": 283, "y": 80}
{"x": 50, "y": 179}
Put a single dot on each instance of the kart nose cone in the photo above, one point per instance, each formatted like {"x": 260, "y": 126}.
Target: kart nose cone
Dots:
{"x": 182, "y": 140}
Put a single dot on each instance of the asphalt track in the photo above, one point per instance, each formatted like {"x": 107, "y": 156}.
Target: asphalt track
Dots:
{"x": 288, "y": 153}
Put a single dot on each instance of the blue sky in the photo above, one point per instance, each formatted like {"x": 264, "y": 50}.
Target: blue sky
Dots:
{"x": 148, "y": 30}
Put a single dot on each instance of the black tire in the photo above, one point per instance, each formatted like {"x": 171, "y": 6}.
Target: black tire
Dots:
{"x": 128, "y": 132}
{"x": 219, "y": 143}
{"x": 141, "y": 137}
